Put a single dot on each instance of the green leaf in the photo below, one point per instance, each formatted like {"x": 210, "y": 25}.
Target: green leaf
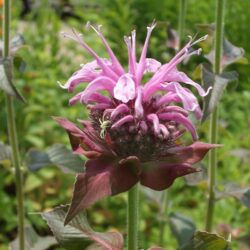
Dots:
{"x": 5, "y": 155}
{"x": 242, "y": 153}
{"x": 5, "y": 152}
{"x": 218, "y": 84}
{"x": 239, "y": 193}
{"x": 207, "y": 241}
{"x": 156, "y": 248}
{"x": 199, "y": 178}
{"x": 78, "y": 233}
{"x": 34, "y": 241}
{"x": 231, "y": 54}
{"x": 182, "y": 228}
{"x": 6, "y": 79}
{"x": 19, "y": 63}
{"x": 57, "y": 155}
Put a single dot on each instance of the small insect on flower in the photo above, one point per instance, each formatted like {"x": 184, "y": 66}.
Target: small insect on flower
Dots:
{"x": 104, "y": 124}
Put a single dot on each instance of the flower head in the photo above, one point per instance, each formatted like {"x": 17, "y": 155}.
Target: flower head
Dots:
{"x": 135, "y": 129}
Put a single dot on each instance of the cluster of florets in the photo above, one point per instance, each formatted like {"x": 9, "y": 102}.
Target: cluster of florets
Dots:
{"x": 132, "y": 123}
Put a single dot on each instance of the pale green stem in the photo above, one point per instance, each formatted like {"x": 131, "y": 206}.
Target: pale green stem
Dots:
{"x": 12, "y": 131}
{"x": 181, "y": 21}
{"x": 133, "y": 217}
{"x": 163, "y": 217}
{"x": 214, "y": 117}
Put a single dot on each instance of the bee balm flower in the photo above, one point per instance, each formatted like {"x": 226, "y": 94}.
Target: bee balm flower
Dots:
{"x": 135, "y": 129}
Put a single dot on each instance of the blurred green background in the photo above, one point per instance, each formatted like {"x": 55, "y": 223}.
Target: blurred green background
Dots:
{"x": 50, "y": 58}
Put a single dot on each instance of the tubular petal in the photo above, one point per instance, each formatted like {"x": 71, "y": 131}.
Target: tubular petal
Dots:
{"x": 189, "y": 101}
{"x": 173, "y": 109}
{"x": 139, "y": 111}
{"x": 155, "y": 120}
{"x": 126, "y": 119}
{"x": 120, "y": 109}
{"x": 100, "y": 83}
{"x": 179, "y": 118}
{"x": 142, "y": 63}
{"x": 164, "y": 131}
{"x": 116, "y": 64}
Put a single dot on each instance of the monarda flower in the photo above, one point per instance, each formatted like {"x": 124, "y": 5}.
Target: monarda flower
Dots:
{"x": 135, "y": 128}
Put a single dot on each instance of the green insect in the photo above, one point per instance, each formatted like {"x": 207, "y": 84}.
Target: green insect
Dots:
{"x": 104, "y": 124}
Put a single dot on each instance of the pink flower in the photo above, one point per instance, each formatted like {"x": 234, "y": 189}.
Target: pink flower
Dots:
{"x": 135, "y": 129}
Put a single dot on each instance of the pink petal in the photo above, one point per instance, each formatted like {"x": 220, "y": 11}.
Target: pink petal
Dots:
{"x": 115, "y": 63}
{"x": 139, "y": 111}
{"x": 100, "y": 83}
{"x": 87, "y": 73}
{"x": 189, "y": 101}
{"x": 179, "y": 118}
{"x": 142, "y": 63}
{"x": 156, "y": 124}
{"x": 120, "y": 109}
{"x": 152, "y": 65}
{"x": 176, "y": 76}
{"x": 125, "y": 119}
{"x": 124, "y": 89}
{"x": 173, "y": 109}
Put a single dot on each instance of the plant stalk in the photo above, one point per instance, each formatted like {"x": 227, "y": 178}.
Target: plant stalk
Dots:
{"x": 133, "y": 217}
{"x": 181, "y": 21}
{"x": 214, "y": 118}
{"x": 163, "y": 216}
{"x": 12, "y": 131}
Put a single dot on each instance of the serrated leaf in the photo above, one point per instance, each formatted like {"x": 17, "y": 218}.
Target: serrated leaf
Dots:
{"x": 78, "y": 233}
{"x": 207, "y": 241}
{"x": 218, "y": 84}
{"x": 34, "y": 241}
{"x": 57, "y": 155}
{"x": 182, "y": 227}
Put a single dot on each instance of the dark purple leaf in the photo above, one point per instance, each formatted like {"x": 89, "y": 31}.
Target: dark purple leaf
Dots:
{"x": 159, "y": 175}
{"x": 104, "y": 177}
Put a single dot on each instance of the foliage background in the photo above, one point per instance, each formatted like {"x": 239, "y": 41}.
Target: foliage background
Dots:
{"x": 51, "y": 58}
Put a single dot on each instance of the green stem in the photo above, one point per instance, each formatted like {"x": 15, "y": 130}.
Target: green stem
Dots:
{"x": 214, "y": 118}
{"x": 12, "y": 131}
{"x": 181, "y": 22}
{"x": 163, "y": 216}
{"x": 133, "y": 217}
